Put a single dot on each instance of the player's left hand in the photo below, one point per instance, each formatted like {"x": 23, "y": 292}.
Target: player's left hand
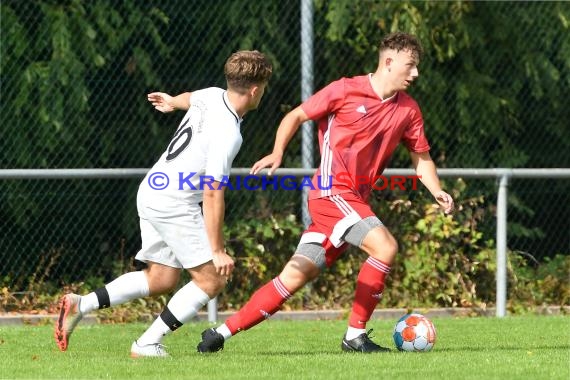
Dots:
{"x": 224, "y": 263}
{"x": 445, "y": 200}
{"x": 272, "y": 160}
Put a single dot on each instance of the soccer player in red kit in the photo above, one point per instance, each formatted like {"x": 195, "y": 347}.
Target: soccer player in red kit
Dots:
{"x": 361, "y": 120}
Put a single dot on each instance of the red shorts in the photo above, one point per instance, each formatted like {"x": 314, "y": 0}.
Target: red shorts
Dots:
{"x": 331, "y": 217}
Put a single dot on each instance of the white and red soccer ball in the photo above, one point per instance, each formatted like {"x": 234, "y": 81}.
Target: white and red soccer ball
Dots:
{"x": 414, "y": 332}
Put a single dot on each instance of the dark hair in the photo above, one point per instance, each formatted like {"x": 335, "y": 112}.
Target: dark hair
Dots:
{"x": 246, "y": 68}
{"x": 402, "y": 41}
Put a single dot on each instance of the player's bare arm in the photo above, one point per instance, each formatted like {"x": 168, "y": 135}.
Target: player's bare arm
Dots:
{"x": 166, "y": 103}
{"x": 214, "y": 210}
{"x": 426, "y": 170}
{"x": 287, "y": 129}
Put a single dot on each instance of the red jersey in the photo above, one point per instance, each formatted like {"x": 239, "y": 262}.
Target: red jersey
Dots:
{"x": 358, "y": 132}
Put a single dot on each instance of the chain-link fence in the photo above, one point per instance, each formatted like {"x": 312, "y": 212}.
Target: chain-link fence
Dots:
{"x": 493, "y": 90}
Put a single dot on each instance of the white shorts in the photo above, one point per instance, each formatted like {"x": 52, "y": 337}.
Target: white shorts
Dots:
{"x": 174, "y": 236}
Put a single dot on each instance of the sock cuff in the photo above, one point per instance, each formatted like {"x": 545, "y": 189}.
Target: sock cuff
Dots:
{"x": 125, "y": 288}
{"x": 184, "y": 305}
{"x": 379, "y": 265}
{"x": 281, "y": 289}
{"x": 140, "y": 277}
{"x": 201, "y": 296}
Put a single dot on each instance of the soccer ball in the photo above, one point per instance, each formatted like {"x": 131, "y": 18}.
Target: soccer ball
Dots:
{"x": 414, "y": 332}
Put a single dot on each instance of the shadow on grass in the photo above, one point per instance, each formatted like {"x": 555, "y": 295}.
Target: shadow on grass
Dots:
{"x": 317, "y": 353}
{"x": 503, "y": 348}
{"x": 293, "y": 353}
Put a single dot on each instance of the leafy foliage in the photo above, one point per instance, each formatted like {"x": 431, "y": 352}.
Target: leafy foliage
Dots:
{"x": 479, "y": 75}
{"x": 443, "y": 261}
{"x": 484, "y": 90}
{"x": 55, "y": 70}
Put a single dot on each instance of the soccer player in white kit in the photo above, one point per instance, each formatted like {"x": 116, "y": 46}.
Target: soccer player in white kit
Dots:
{"x": 181, "y": 207}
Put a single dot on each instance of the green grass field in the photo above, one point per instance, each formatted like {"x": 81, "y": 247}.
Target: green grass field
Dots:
{"x": 529, "y": 347}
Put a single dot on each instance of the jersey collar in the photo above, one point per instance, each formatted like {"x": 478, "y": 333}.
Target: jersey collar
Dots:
{"x": 393, "y": 97}
{"x": 230, "y": 108}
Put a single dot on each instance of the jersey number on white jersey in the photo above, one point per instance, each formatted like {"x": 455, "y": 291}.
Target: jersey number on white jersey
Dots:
{"x": 177, "y": 145}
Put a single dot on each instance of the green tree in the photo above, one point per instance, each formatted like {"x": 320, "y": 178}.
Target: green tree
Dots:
{"x": 57, "y": 60}
{"x": 492, "y": 87}
{"x": 55, "y": 57}
{"x": 74, "y": 76}
{"x": 487, "y": 90}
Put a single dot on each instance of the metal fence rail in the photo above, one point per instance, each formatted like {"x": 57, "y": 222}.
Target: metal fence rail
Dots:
{"x": 503, "y": 176}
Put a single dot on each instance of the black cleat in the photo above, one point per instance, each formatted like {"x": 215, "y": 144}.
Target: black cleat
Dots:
{"x": 212, "y": 341}
{"x": 362, "y": 343}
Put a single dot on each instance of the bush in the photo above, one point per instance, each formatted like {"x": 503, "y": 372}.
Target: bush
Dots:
{"x": 443, "y": 261}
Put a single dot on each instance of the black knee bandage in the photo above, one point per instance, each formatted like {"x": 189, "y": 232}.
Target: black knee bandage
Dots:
{"x": 169, "y": 319}
{"x": 103, "y": 298}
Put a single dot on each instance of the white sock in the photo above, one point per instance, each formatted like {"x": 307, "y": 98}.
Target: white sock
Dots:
{"x": 126, "y": 287}
{"x": 224, "y": 331}
{"x": 88, "y": 303}
{"x": 154, "y": 333}
{"x": 353, "y": 332}
{"x": 183, "y": 305}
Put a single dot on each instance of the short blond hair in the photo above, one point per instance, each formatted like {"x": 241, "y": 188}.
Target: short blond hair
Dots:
{"x": 246, "y": 68}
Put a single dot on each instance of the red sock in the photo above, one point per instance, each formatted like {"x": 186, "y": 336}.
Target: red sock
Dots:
{"x": 369, "y": 287}
{"x": 265, "y": 302}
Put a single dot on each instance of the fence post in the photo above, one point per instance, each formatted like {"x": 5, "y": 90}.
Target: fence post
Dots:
{"x": 502, "y": 245}
{"x": 306, "y": 91}
{"x": 213, "y": 310}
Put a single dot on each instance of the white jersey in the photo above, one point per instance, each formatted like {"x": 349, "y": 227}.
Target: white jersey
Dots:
{"x": 201, "y": 151}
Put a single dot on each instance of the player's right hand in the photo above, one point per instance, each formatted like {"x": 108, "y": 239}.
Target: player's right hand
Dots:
{"x": 273, "y": 160}
{"x": 445, "y": 200}
{"x": 161, "y": 101}
{"x": 223, "y": 262}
